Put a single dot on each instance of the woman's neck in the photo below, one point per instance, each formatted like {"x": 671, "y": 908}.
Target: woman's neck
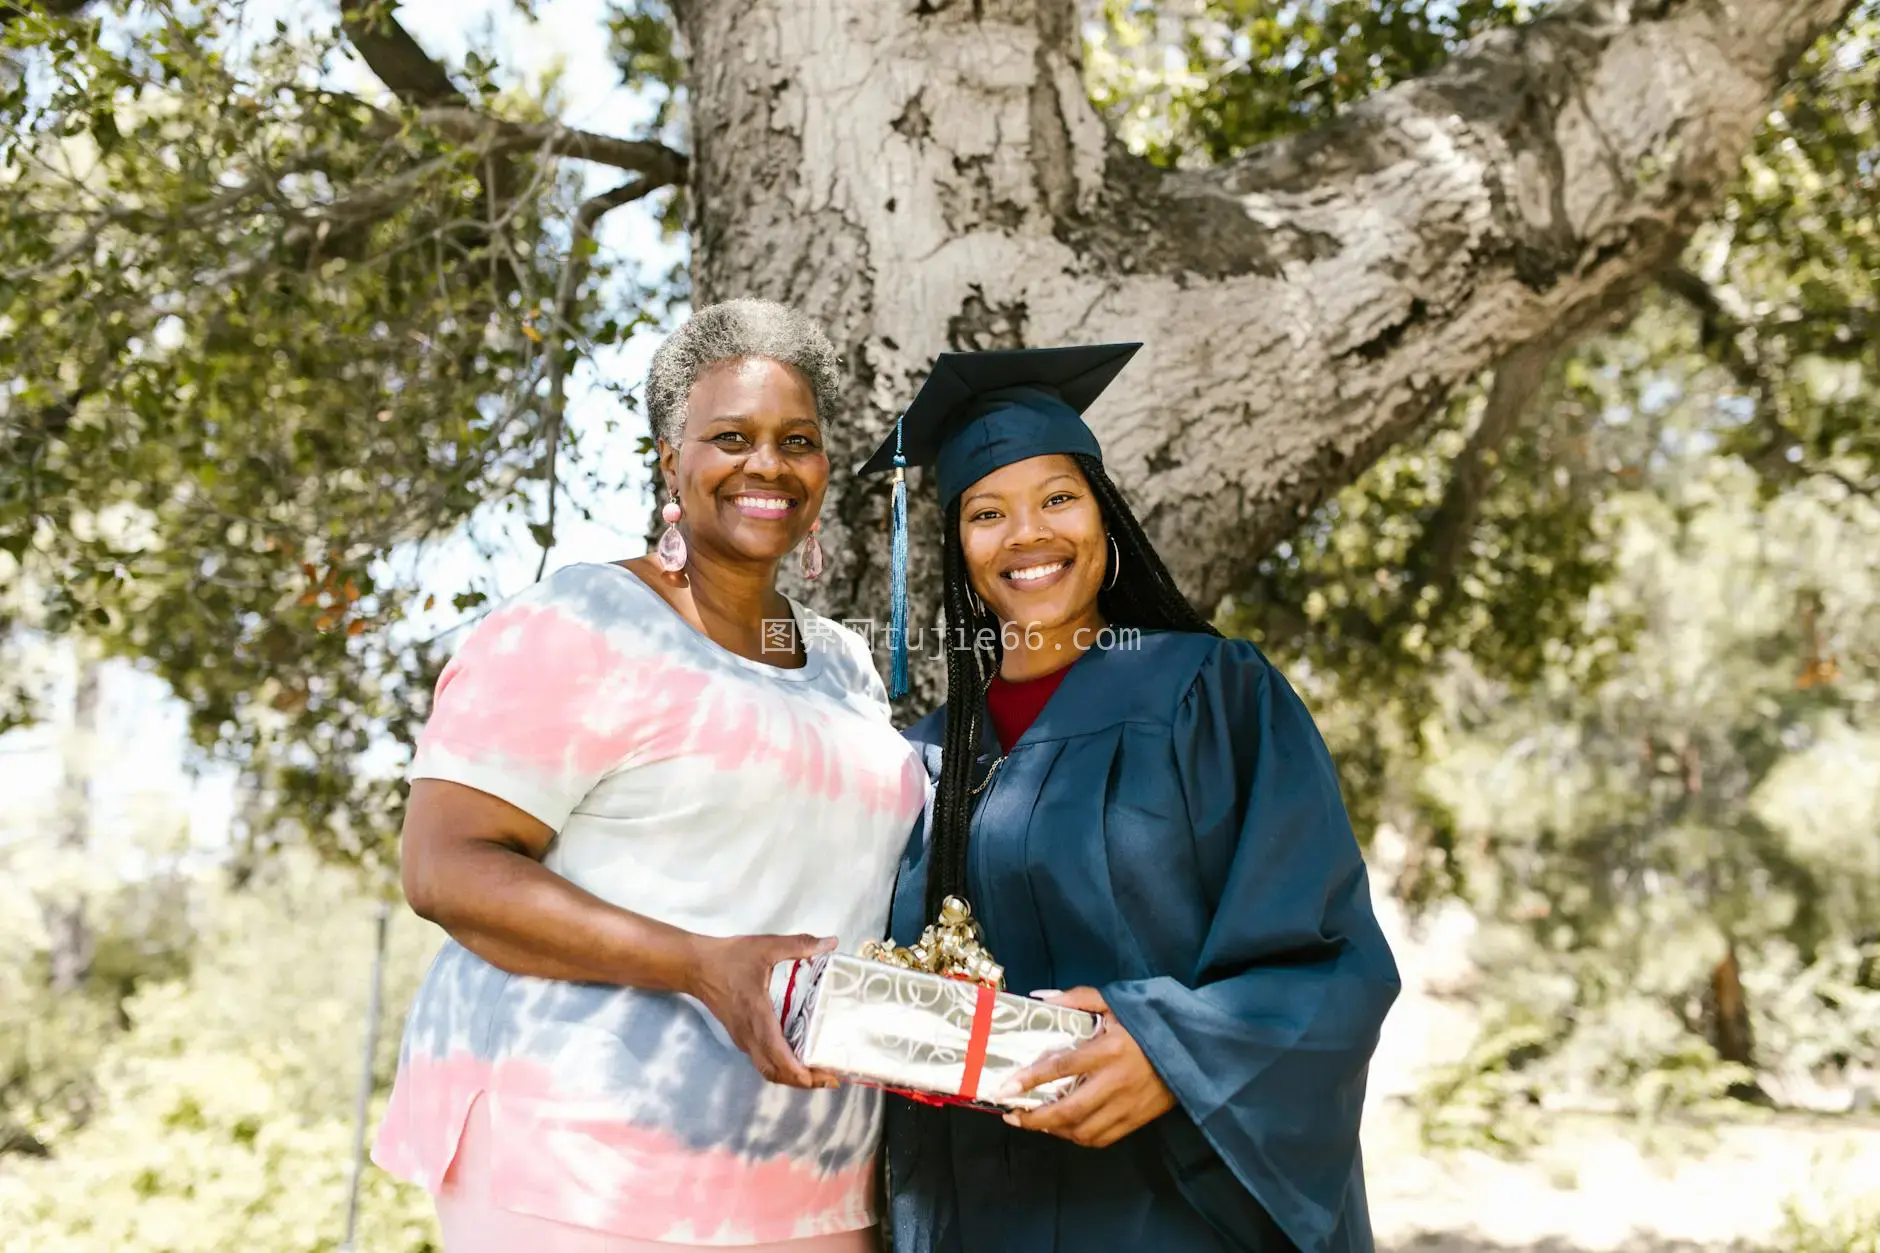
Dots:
{"x": 1038, "y": 651}
{"x": 729, "y": 602}
{"x": 738, "y": 593}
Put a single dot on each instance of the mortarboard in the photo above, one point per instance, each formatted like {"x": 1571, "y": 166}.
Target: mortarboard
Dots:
{"x": 979, "y": 412}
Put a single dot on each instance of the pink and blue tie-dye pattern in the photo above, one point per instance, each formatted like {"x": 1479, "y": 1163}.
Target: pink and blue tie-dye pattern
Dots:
{"x": 697, "y": 787}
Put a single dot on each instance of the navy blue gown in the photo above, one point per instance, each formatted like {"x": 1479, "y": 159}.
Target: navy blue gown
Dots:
{"x": 1169, "y": 831}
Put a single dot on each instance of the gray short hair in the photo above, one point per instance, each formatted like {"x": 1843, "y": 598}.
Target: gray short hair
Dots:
{"x": 730, "y": 331}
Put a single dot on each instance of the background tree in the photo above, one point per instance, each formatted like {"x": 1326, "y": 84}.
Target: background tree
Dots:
{"x": 1482, "y": 559}
{"x": 1676, "y": 855}
{"x": 1528, "y": 427}
{"x": 221, "y": 1116}
{"x": 282, "y": 309}
{"x": 187, "y": 203}
{"x": 264, "y": 334}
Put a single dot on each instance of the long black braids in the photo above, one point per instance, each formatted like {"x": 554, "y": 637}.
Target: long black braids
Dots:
{"x": 1144, "y": 597}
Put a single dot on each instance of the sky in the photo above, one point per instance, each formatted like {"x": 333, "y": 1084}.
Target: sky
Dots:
{"x": 148, "y": 780}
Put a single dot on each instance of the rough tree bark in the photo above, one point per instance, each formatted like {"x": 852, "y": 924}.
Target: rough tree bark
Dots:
{"x": 929, "y": 174}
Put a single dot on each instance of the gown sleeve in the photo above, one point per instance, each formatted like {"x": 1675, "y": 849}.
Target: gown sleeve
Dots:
{"x": 1266, "y": 1043}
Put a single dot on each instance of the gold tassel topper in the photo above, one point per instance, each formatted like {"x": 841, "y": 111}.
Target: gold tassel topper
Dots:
{"x": 951, "y": 948}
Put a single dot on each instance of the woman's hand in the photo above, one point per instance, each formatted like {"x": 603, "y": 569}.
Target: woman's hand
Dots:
{"x": 1118, "y": 1091}
{"x": 732, "y": 979}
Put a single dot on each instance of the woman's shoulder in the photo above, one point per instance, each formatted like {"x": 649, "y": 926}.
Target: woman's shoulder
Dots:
{"x": 1235, "y": 655}
{"x": 1163, "y": 675}
{"x": 1156, "y": 661}
{"x": 1228, "y": 661}
{"x": 846, "y": 656}
{"x": 1238, "y": 683}
{"x": 604, "y": 592}
{"x": 588, "y": 601}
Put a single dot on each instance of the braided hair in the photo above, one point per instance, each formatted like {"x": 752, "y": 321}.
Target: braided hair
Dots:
{"x": 1144, "y": 597}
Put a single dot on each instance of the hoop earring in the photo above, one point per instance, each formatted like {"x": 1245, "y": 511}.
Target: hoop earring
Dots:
{"x": 812, "y": 554}
{"x": 671, "y": 552}
{"x": 977, "y": 605}
{"x": 1116, "y": 565}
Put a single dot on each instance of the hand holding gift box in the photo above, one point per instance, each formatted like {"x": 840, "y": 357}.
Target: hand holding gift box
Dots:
{"x": 928, "y": 1021}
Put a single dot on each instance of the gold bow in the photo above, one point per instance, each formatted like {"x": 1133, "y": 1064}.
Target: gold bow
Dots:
{"x": 951, "y": 948}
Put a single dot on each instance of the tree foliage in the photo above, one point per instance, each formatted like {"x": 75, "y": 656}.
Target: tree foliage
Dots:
{"x": 1198, "y": 82}
{"x": 1688, "y": 848}
{"x": 189, "y": 198}
{"x": 1511, "y": 597}
{"x": 267, "y": 340}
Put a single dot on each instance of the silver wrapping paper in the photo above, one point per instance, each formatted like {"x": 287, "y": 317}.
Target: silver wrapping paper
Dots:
{"x": 888, "y": 1027}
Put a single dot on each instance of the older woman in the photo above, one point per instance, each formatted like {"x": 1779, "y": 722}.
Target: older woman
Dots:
{"x": 642, "y": 786}
{"x": 1142, "y": 813}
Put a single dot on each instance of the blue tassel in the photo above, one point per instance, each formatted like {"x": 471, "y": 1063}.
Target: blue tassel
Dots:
{"x": 897, "y": 625}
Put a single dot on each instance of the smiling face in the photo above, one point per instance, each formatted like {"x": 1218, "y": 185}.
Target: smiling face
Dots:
{"x": 1035, "y": 544}
{"x": 749, "y": 468}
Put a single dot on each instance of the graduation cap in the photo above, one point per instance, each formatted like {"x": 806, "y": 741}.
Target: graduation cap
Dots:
{"x": 979, "y": 412}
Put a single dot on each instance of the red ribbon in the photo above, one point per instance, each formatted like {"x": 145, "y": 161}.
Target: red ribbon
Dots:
{"x": 789, "y": 991}
{"x": 928, "y": 1098}
{"x": 984, "y": 1000}
{"x": 976, "y": 1043}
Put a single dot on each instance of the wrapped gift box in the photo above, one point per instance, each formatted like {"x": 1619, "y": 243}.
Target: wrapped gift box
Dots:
{"x": 927, "y": 1036}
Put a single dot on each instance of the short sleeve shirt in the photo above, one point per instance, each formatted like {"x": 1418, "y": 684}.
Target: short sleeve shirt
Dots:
{"x": 708, "y": 790}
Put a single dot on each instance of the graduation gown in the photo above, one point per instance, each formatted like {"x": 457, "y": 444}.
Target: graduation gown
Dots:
{"x": 1169, "y": 831}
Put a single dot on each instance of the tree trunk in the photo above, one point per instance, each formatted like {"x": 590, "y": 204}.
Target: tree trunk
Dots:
{"x": 70, "y": 943}
{"x": 930, "y": 174}
{"x": 1730, "y": 1029}
{"x": 1727, "y": 1012}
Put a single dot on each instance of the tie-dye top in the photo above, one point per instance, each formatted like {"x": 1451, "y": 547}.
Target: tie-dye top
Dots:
{"x": 698, "y": 787}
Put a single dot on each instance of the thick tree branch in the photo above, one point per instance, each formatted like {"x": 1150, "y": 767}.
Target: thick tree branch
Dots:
{"x": 415, "y": 78}
{"x": 1518, "y": 195}
{"x": 418, "y": 80}
{"x": 1433, "y": 564}
{"x": 389, "y": 51}
{"x": 411, "y": 74}
{"x": 657, "y": 165}
{"x": 1304, "y": 308}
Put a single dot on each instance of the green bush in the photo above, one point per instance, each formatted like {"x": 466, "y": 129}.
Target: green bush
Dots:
{"x": 223, "y": 1113}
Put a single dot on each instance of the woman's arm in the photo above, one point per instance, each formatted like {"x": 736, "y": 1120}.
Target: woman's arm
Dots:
{"x": 473, "y": 865}
{"x": 1266, "y": 1042}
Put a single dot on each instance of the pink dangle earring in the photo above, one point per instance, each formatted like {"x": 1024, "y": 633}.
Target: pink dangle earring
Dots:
{"x": 812, "y": 554}
{"x": 671, "y": 551}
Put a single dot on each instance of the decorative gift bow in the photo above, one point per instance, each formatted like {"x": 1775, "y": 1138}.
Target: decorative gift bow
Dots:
{"x": 951, "y": 948}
